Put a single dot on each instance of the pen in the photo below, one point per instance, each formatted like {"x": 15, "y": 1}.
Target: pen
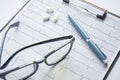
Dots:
{"x": 90, "y": 42}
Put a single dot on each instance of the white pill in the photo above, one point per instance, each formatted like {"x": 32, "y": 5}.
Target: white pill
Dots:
{"x": 46, "y": 18}
{"x": 55, "y": 19}
{"x": 49, "y": 10}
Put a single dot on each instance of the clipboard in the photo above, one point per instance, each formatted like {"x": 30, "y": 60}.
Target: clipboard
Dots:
{"x": 72, "y": 31}
{"x": 112, "y": 66}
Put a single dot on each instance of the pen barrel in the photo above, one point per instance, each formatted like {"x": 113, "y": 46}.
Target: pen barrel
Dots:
{"x": 97, "y": 51}
{"x": 85, "y": 36}
{"x": 81, "y": 31}
{"x": 78, "y": 28}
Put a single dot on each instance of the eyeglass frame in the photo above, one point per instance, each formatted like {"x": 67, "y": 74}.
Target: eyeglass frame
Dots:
{"x": 36, "y": 63}
{"x": 15, "y": 25}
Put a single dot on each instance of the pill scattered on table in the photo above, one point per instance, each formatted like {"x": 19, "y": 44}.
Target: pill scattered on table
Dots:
{"x": 55, "y": 18}
{"x": 49, "y": 10}
{"x": 46, "y": 18}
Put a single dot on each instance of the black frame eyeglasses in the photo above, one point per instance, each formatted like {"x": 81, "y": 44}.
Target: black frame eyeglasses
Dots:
{"x": 49, "y": 59}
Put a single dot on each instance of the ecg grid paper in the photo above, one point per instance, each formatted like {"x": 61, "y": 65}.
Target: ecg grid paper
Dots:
{"x": 82, "y": 63}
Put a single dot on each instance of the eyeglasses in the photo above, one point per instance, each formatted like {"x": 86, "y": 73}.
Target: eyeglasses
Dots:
{"x": 52, "y": 58}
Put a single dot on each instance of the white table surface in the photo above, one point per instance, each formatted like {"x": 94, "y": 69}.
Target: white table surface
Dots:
{"x": 9, "y": 7}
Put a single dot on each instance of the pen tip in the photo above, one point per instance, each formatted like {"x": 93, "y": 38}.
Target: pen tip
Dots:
{"x": 105, "y": 61}
{"x": 69, "y": 16}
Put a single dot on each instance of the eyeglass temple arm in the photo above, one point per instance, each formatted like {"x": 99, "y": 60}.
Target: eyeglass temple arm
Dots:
{"x": 3, "y": 41}
{"x": 35, "y": 44}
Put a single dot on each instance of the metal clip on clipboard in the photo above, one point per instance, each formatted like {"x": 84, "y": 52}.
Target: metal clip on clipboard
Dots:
{"x": 100, "y": 8}
{"x": 99, "y": 16}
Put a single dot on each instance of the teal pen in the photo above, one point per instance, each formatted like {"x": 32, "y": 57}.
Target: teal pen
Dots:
{"x": 90, "y": 42}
